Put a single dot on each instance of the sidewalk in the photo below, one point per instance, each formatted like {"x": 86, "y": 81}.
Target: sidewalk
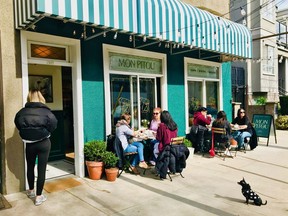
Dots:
{"x": 209, "y": 188}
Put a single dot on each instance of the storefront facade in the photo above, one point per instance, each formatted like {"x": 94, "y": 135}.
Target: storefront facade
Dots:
{"x": 103, "y": 59}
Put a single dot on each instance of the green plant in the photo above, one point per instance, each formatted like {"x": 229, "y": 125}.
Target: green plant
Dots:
{"x": 261, "y": 101}
{"x": 187, "y": 143}
{"x": 94, "y": 150}
{"x": 110, "y": 159}
{"x": 145, "y": 123}
{"x": 282, "y": 122}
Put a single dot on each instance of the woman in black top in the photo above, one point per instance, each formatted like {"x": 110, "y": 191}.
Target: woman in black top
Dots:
{"x": 243, "y": 126}
{"x": 35, "y": 123}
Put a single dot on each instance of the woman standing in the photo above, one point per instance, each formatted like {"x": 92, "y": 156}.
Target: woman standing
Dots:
{"x": 35, "y": 123}
{"x": 243, "y": 126}
{"x": 167, "y": 129}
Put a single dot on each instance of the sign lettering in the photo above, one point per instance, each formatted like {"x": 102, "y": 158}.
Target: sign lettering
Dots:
{"x": 130, "y": 63}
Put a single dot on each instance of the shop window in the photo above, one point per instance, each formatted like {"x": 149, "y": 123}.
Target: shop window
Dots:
{"x": 203, "y": 89}
{"x": 134, "y": 95}
{"x": 268, "y": 62}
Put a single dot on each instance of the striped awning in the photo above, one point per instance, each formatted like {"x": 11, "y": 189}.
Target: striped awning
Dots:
{"x": 173, "y": 20}
{"x": 116, "y": 14}
{"x": 167, "y": 20}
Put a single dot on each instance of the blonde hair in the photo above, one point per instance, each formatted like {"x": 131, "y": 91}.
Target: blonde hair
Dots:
{"x": 157, "y": 109}
{"x": 35, "y": 96}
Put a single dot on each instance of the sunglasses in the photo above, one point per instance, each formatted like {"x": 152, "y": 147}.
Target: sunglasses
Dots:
{"x": 155, "y": 113}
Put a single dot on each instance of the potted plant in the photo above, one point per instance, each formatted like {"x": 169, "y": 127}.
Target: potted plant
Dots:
{"x": 94, "y": 152}
{"x": 189, "y": 145}
{"x": 110, "y": 161}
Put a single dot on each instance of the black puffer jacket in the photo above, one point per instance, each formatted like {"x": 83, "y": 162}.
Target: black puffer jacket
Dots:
{"x": 35, "y": 121}
{"x": 173, "y": 157}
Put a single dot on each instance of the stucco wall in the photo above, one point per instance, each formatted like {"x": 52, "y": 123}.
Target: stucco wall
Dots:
{"x": 12, "y": 150}
{"x": 219, "y": 8}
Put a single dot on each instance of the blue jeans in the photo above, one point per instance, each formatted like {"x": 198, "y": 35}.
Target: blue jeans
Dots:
{"x": 240, "y": 136}
{"x": 136, "y": 147}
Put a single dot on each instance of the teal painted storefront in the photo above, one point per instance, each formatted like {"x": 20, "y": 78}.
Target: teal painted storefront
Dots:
{"x": 94, "y": 95}
{"x": 205, "y": 34}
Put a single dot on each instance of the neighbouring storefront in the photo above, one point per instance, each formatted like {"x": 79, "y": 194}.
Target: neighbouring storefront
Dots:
{"x": 98, "y": 59}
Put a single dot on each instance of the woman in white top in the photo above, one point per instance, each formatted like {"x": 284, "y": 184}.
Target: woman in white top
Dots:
{"x": 124, "y": 132}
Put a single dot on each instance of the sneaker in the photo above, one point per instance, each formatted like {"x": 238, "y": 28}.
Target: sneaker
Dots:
{"x": 31, "y": 194}
{"x": 143, "y": 165}
{"x": 40, "y": 199}
{"x": 152, "y": 163}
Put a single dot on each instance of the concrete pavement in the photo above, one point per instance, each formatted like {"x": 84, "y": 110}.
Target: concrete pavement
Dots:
{"x": 209, "y": 188}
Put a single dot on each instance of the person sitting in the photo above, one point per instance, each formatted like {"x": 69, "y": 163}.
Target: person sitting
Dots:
{"x": 222, "y": 122}
{"x": 124, "y": 133}
{"x": 201, "y": 121}
{"x": 167, "y": 129}
{"x": 153, "y": 127}
{"x": 243, "y": 128}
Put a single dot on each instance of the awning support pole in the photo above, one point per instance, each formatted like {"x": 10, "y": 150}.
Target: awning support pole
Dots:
{"x": 97, "y": 35}
{"x": 33, "y": 23}
{"x": 148, "y": 44}
{"x": 185, "y": 51}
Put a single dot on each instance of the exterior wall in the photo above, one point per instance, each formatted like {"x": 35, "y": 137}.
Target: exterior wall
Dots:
{"x": 93, "y": 90}
{"x": 227, "y": 89}
{"x": 259, "y": 83}
{"x": 176, "y": 91}
{"x": 11, "y": 147}
{"x": 220, "y": 8}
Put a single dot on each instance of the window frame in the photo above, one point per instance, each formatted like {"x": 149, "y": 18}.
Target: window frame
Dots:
{"x": 269, "y": 60}
{"x": 137, "y": 53}
{"x": 51, "y": 61}
{"x": 203, "y": 80}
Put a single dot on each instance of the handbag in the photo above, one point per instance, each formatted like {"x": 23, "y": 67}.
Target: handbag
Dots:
{"x": 194, "y": 129}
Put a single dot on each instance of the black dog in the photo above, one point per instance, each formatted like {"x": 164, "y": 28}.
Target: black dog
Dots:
{"x": 250, "y": 194}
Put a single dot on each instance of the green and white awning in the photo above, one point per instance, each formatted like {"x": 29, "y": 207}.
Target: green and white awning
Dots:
{"x": 116, "y": 14}
{"x": 167, "y": 20}
{"x": 176, "y": 21}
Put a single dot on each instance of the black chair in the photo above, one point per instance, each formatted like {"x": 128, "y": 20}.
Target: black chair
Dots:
{"x": 125, "y": 158}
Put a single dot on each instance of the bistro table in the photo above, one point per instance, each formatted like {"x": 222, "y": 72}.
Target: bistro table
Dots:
{"x": 146, "y": 137}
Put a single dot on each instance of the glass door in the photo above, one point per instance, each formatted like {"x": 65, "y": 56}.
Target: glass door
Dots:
{"x": 134, "y": 95}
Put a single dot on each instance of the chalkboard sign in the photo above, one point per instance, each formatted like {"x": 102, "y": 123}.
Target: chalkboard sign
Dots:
{"x": 262, "y": 125}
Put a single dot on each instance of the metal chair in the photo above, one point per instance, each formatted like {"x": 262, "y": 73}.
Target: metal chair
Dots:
{"x": 125, "y": 158}
{"x": 221, "y": 143}
{"x": 173, "y": 142}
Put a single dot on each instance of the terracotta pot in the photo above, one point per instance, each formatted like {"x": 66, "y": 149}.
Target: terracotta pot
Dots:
{"x": 95, "y": 169}
{"x": 111, "y": 174}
